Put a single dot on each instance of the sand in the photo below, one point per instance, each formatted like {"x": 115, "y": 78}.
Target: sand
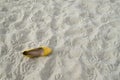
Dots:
{"x": 84, "y": 36}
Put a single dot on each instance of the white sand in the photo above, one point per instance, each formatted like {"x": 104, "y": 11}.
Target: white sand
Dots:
{"x": 84, "y": 34}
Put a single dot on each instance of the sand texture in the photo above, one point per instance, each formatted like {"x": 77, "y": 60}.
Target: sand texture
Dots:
{"x": 84, "y": 36}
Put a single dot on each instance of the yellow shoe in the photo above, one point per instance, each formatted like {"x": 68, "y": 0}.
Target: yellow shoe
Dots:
{"x": 38, "y": 52}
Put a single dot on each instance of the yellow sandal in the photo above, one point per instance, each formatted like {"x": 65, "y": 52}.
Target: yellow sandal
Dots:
{"x": 38, "y": 52}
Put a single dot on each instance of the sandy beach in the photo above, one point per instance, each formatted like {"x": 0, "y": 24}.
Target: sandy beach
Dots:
{"x": 84, "y": 36}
